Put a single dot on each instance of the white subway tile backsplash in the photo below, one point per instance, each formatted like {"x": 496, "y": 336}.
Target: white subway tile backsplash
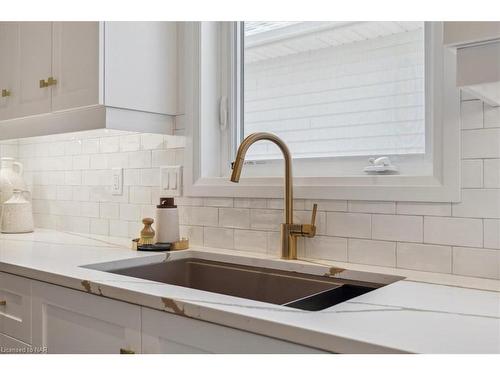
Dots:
{"x": 130, "y": 142}
{"x": 162, "y": 158}
{"x": 453, "y": 231}
{"x": 90, "y": 146}
{"x": 323, "y": 247}
{"x": 327, "y": 205}
{"x": 480, "y": 203}
{"x": 89, "y": 209}
{"x": 194, "y": 234}
{"x": 492, "y": 173}
{"x": 99, "y": 226}
{"x": 140, "y": 194}
{"x": 234, "y": 218}
{"x": 109, "y": 144}
{"x": 472, "y": 173}
{"x": 266, "y": 219}
{"x": 139, "y": 159}
{"x": 379, "y": 253}
{"x": 118, "y": 228}
{"x": 250, "y": 202}
{"x": 476, "y": 262}
{"x": 481, "y": 143}
{"x": 191, "y": 215}
{"x": 130, "y": 212}
{"x": 343, "y": 224}
{"x": 152, "y": 141}
{"x": 471, "y": 114}
{"x": 431, "y": 258}
{"x": 218, "y": 237}
{"x": 218, "y": 202}
{"x": 491, "y": 116}
{"x": 250, "y": 240}
{"x": 397, "y": 228}
{"x": 372, "y": 207}
{"x": 81, "y": 162}
{"x": 423, "y": 208}
{"x": 491, "y": 233}
{"x": 109, "y": 210}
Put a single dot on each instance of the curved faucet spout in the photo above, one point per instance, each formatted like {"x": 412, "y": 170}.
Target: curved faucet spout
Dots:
{"x": 237, "y": 166}
{"x": 289, "y": 230}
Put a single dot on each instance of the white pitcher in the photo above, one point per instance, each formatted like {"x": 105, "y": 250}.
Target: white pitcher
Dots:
{"x": 10, "y": 178}
{"x": 17, "y": 215}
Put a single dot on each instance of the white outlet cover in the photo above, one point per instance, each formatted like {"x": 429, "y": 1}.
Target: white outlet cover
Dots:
{"x": 117, "y": 181}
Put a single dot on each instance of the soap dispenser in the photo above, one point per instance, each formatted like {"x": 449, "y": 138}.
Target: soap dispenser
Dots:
{"x": 167, "y": 221}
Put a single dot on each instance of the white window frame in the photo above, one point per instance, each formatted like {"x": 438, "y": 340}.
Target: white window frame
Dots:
{"x": 209, "y": 50}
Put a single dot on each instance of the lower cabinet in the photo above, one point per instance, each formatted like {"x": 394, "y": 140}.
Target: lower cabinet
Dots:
{"x": 174, "y": 334}
{"x": 9, "y": 345}
{"x": 38, "y": 317}
{"x": 15, "y": 307}
{"x": 68, "y": 321}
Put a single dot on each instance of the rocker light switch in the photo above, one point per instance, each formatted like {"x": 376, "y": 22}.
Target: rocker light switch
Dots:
{"x": 171, "y": 180}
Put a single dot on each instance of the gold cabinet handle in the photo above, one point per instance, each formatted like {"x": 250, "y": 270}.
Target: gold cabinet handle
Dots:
{"x": 3, "y": 302}
{"x": 5, "y": 93}
{"x": 51, "y": 81}
{"x": 126, "y": 351}
{"x": 43, "y": 83}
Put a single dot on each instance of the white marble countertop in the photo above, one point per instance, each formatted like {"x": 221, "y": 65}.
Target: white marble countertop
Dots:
{"x": 425, "y": 313}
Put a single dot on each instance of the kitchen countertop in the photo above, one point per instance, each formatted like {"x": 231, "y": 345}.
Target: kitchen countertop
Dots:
{"x": 425, "y": 313}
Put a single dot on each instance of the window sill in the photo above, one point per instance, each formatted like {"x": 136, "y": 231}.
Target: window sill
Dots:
{"x": 381, "y": 188}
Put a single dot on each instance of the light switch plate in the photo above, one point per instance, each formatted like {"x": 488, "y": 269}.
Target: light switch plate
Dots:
{"x": 117, "y": 181}
{"x": 171, "y": 180}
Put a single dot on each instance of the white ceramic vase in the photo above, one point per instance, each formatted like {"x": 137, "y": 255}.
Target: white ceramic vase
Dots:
{"x": 17, "y": 214}
{"x": 10, "y": 178}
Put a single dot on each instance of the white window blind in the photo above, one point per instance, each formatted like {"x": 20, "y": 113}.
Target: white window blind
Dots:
{"x": 335, "y": 88}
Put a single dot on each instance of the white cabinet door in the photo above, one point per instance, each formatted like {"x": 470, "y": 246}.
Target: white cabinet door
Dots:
{"x": 141, "y": 66}
{"x": 75, "y": 64}
{"x": 9, "y": 67}
{"x": 35, "y": 64}
{"x": 69, "y": 321}
{"x": 15, "y": 307}
{"x": 173, "y": 334}
{"x": 9, "y": 345}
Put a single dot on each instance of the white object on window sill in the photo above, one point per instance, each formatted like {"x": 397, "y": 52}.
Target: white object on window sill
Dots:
{"x": 380, "y": 165}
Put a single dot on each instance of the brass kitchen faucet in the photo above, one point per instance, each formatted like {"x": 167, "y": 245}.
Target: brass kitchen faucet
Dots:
{"x": 289, "y": 230}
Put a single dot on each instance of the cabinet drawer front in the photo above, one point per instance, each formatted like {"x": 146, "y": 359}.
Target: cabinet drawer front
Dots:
{"x": 15, "y": 307}
{"x": 69, "y": 321}
{"x": 9, "y": 345}
{"x": 168, "y": 333}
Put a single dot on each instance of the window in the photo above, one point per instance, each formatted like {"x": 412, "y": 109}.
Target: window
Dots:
{"x": 338, "y": 93}
{"x": 335, "y": 88}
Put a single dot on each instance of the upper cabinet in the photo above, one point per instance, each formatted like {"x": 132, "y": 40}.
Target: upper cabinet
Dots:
{"x": 477, "y": 46}
{"x": 58, "y": 77}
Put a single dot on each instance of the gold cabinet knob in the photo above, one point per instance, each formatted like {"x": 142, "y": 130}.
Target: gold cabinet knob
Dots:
{"x": 126, "y": 351}
{"x": 3, "y": 302}
{"x": 51, "y": 81}
{"x": 43, "y": 83}
{"x": 5, "y": 93}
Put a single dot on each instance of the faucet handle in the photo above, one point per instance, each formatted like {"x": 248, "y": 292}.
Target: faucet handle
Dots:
{"x": 309, "y": 230}
{"x": 313, "y": 218}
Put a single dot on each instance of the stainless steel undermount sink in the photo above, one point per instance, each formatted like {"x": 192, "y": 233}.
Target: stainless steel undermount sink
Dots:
{"x": 293, "y": 289}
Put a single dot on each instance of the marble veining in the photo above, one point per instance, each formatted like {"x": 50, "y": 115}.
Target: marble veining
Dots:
{"x": 426, "y": 313}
